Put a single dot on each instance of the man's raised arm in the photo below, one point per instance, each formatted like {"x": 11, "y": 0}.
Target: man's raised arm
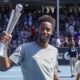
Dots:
{"x": 5, "y": 62}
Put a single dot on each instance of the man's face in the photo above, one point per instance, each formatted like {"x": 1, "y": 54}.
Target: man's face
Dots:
{"x": 45, "y": 31}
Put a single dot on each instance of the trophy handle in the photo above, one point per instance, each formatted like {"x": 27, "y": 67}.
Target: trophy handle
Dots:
{"x": 2, "y": 45}
{"x": 3, "y": 49}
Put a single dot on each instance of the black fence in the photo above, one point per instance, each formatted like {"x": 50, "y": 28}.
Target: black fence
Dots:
{"x": 63, "y": 57}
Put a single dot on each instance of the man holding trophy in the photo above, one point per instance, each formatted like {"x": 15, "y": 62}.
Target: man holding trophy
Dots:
{"x": 37, "y": 59}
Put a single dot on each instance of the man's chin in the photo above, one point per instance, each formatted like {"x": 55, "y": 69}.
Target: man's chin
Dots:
{"x": 44, "y": 40}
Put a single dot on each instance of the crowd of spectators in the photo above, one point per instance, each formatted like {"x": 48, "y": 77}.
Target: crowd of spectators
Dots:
{"x": 26, "y": 28}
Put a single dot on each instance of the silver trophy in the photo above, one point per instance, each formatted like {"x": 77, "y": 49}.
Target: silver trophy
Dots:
{"x": 15, "y": 14}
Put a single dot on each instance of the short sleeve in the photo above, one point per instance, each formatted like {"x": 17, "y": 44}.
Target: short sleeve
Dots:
{"x": 17, "y": 55}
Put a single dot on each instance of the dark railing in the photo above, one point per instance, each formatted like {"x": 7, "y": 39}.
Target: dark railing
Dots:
{"x": 63, "y": 57}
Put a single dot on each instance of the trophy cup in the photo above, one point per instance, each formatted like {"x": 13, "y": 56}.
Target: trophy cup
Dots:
{"x": 15, "y": 14}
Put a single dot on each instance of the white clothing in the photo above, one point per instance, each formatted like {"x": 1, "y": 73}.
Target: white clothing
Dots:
{"x": 36, "y": 63}
{"x": 58, "y": 42}
{"x": 77, "y": 66}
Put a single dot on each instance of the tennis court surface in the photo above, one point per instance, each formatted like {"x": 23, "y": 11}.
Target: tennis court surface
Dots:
{"x": 15, "y": 74}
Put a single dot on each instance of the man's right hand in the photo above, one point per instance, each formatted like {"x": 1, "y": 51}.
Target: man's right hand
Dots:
{"x": 5, "y": 37}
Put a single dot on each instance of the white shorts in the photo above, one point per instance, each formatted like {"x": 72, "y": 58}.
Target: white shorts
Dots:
{"x": 77, "y": 71}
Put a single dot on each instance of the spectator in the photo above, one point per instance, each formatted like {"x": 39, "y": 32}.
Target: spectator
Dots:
{"x": 72, "y": 52}
{"x": 33, "y": 33}
{"x": 58, "y": 42}
{"x": 66, "y": 42}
